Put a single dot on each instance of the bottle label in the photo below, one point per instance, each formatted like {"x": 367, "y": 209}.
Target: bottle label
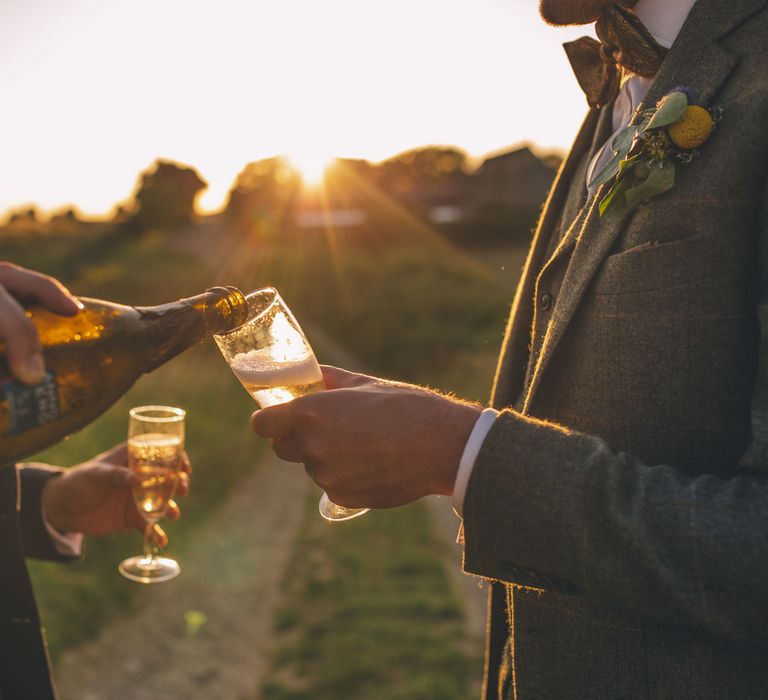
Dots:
{"x": 31, "y": 406}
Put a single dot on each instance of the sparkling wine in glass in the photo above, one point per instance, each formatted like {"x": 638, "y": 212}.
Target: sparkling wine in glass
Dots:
{"x": 274, "y": 362}
{"x": 155, "y": 455}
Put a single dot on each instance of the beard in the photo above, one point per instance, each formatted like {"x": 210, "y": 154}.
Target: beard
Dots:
{"x": 565, "y": 12}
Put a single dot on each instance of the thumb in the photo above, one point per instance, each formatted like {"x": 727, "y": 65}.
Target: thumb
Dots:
{"x": 161, "y": 538}
{"x": 115, "y": 455}
{"x": 273, "y": 421}
{"x": 337, "y": 378}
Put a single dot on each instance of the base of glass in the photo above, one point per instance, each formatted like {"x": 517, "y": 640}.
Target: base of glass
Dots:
{"x": 336, "y": 513}
{"x": 144, "y": 570}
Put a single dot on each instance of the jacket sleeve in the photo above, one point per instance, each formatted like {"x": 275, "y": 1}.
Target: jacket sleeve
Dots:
{"x": 551, "y": 507}
{"x": 36, "y": 541}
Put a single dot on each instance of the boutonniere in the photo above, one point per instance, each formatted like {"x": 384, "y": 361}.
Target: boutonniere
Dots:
{"x": 645, "y": 154}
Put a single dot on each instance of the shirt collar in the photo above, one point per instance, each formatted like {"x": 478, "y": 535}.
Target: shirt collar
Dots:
{"x": 663, "y": 18}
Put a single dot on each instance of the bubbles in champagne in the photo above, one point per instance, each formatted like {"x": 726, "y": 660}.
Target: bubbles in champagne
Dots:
{"x": 271, "y": 380}
{"x": 156, "y": 459}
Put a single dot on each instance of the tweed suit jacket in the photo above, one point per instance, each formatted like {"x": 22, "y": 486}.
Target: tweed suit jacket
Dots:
{"x": 24, "y": 668}
{"x": 622, "y": 509}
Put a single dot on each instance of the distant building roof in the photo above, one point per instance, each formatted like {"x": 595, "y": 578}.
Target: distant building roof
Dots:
{"x": 516, "y": 178}
{"x": 515, "y": 160}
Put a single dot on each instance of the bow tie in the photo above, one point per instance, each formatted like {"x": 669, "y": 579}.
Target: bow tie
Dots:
{"x": 624, "y": 42}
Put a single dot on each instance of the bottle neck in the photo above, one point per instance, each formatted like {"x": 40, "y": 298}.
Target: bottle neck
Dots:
{"x": 224, "y": 309}
{"x": 180, "y": 324}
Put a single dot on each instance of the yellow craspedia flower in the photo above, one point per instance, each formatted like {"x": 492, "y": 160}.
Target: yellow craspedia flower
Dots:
{"x": 693, "y": 129}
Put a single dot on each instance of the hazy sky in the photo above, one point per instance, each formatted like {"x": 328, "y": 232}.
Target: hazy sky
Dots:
{"x": 94, "y": 90}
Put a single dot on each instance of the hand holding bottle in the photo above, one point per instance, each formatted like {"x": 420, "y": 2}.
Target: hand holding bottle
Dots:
{"x": 25, "y": 358}
{"x": 94, "y": 357}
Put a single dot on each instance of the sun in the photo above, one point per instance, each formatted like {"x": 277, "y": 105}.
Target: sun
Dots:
{"x": 311, "y": 164}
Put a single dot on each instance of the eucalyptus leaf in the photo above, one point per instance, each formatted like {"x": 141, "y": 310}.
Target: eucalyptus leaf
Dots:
{"x": 623, "y": 140}
{"x": 660, "y": 179}
{"x": 609, "y": 170}
{"x": 643, "y": 126}
{"x": 617, "y": 208}
{"x": 669, "y": 111}
{"x": 629, "y": 163}
{"x": 620, "y": 146}
{"x": 613, "y": 200}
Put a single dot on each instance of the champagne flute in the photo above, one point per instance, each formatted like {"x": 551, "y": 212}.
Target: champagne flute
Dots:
{"x": 274, "y": 362}
{"x": 155, "y": 455}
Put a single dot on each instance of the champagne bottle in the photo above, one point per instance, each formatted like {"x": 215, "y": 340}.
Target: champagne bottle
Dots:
{"x": 93, "y": 358}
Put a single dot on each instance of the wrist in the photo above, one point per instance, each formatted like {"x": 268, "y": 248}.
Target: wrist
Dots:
{"x": 462, "y": 421}
{"x": 472, "y": 448}
{"x": 49, "y": 503}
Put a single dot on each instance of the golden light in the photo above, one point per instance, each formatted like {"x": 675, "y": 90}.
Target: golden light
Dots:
{"x": 314, "y": 98}
{"x": 311, "y": 164}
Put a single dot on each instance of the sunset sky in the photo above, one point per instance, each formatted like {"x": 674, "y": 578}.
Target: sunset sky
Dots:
{"x": 95, "y": 90}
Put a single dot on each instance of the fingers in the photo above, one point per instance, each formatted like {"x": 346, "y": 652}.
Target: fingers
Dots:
{"x": 287, "y": 450}
{"x": 173, "y": 512}
{"x": 51, "y": 293}
{"x": 23, "y": 351}
{"x": 182, "y": 488}
{"x": 116, "y": 476}
{"x": 25, "y": 358}
{"x": 274, "y": 421}
{"x": 158, "y": 534}
{"x": 118, "y": 455}
{"x": 337, "y": 378}
{"x": 161, "y": 539}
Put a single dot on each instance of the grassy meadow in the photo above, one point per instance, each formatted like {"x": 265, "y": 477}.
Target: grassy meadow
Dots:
{"x": 367, "y": 610}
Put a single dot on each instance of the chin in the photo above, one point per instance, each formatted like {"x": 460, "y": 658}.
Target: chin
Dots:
{"x": 564, "y": 12}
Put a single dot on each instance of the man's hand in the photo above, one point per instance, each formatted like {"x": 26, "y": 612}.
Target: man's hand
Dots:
{"x": 371, "y": 442}
{"x": 95, "y": 497}
{"x": 23, "y": 351}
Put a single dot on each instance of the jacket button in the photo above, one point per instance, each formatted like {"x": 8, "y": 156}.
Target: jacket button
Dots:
{"x": 545, "y": 301}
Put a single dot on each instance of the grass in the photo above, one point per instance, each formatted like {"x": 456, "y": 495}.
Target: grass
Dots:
{"x": 368, "y": 611}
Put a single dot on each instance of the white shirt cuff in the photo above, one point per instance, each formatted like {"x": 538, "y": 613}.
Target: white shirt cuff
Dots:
{"x": 483, "y": 425}
{"x": 68, "y": 544}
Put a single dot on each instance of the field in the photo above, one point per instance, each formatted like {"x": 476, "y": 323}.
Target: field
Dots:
{"x": 366, "y": 610}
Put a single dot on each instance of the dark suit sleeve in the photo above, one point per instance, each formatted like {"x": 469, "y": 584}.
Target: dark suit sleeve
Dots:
{"x": 36, "y": 541}
{"x": 549, "y": 507}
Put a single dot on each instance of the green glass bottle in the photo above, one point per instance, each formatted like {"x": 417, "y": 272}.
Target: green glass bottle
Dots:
{"x": 93, "y": 358}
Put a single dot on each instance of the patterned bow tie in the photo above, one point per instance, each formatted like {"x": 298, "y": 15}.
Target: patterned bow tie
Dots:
{"x": 624, "y": 41}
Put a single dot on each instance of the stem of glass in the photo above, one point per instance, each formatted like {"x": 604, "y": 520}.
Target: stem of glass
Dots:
{"x": 149, "y": 544}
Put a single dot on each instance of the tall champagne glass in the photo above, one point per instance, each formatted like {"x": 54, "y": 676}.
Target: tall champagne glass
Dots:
{"x": 274, "y": 362}
{"x": 155, "y": 455}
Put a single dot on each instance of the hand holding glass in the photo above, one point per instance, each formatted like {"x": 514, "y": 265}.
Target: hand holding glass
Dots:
{"x": 155, "y": 455}
{"x": 273, "y": 360}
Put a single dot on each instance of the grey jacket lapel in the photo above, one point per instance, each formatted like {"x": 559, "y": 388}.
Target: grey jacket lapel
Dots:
{"x": 695, "y": 60}
{"x": 510, "y": 372}
{"x": 575, "y": 217}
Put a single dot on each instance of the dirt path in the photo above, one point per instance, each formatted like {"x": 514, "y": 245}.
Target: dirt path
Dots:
{"x": 468, "y": 589}
{"x": 232, "y": 576}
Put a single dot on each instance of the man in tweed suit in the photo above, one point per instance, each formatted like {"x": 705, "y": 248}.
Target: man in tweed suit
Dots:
{"x": 617, "y": 497}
